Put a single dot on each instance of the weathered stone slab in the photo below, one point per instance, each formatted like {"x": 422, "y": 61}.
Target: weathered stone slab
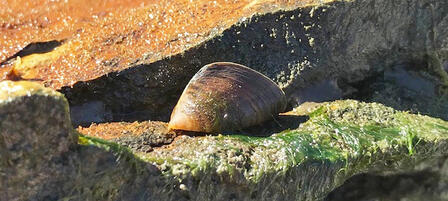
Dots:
{"x": 341, "y": 139}
{"x": 88, "y": 39}
{"x": 35, "y": 131}
{"x": 136, "y": 58}
{"x": 41, "y": 161}
{"x": 327, "y": 48}
{"x": 139, "y": 136}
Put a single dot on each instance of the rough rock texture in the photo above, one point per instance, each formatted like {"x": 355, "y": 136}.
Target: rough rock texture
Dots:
{"x": 138, "y": 136}
{"x": 421, "y": 184}
{"x": 327, "y": 48}
{"x": 35, "y": 131}
{"x": 41, "y": 159}
{"x": 62, "y": 42}
{"x": 145, "y": 55}
{"x": 339, "y": 140}
{"x": 134, "y": 60}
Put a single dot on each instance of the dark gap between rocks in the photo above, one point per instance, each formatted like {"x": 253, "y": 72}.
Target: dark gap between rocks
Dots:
{"x": 325, "y": 90}
{"x": 403, "y": 87}
{"x": 126, "y": 96}
{"x": 368, "y": 187}
{"x": 399, "y": 86}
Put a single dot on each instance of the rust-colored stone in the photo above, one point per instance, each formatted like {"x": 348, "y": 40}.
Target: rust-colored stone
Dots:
{"x": 138, "y": 136}
{"x": 99, "y": 37}
{"x": 109, "y": 131}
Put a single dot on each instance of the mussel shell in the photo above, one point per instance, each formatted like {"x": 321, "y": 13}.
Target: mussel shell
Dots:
{"x": 223, "y": 97}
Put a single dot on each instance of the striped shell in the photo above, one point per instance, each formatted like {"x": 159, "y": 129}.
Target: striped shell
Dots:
{"x": 224, "y": 97}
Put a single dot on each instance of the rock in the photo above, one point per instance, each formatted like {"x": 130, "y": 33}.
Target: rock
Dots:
{"x": 111, "y": 59}
{"x": 138, "y": 136}
{"x": 302, "y": 49}
{"x": 85, "y": 39}
{"x": 426, "y": 184}
{"x": 138, "y": 58}
{"x": 35, "y": 131}
{"x": 341, "y": 139}
{"x": 42, "y": 161}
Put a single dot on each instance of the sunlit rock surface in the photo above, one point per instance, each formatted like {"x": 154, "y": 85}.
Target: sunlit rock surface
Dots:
{"x": 42, "y": 161}
{"x": 134, "y": 58}
{"x": 138, "y": 136}
{"x": 81, "y": 40}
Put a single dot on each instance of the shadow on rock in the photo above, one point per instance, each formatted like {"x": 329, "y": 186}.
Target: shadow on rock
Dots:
{"x": 281, "y": 123}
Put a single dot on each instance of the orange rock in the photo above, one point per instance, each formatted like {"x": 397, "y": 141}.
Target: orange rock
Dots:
{"x": 99, "y": 37}
{"x": 109, "y": 131}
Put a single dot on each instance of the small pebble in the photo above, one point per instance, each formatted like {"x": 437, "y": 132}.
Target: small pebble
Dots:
{"x": 183, "y": 187}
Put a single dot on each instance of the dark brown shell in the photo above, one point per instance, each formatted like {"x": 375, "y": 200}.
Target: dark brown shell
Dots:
{"x": 226, "y": 96}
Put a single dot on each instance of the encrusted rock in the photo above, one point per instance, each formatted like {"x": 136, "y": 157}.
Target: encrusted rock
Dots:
{"x": 35, "y": 131}
{"x": 138, "y": 136}
{"x": 135, "y": 57}
{"x": 41, "y": 160}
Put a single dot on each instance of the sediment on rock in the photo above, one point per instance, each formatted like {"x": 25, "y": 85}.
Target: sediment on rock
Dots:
{"x": 138, "y": 136}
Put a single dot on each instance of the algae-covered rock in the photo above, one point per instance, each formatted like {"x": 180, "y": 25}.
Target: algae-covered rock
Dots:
{"x": 40, "y": 159}
{"x": 341, "y": 139}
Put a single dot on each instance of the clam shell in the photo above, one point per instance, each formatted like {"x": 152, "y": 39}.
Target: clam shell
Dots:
{"x": 223, "y": 97}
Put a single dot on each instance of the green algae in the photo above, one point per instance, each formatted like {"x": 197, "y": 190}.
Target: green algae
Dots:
{"x": 340, "y": 139}
{"x": 332, "y": 134}
{"x": 104, "y": 144}
{"x": 122, "y": 153}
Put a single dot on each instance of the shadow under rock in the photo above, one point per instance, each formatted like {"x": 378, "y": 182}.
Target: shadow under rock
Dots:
{"x": 279, "y": 124}
{"x": 367, "y": 187}
{"x": 266, "y": 129}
